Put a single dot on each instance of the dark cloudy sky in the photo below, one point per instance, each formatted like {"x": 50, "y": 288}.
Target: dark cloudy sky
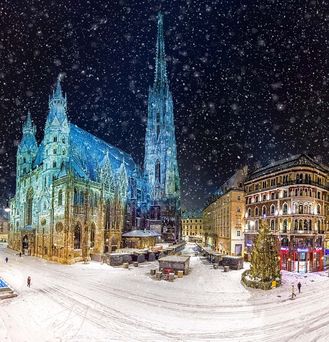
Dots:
{"x": 249, "y": 78}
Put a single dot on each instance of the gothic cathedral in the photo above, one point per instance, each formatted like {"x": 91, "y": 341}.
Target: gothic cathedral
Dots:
{"x": 76, "y": 194}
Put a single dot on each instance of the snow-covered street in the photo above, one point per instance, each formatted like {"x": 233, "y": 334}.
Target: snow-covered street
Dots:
{"x": 94, "y": 302}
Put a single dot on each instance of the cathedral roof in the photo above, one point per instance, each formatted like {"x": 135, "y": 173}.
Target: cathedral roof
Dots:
{"x": 87, "y": 153}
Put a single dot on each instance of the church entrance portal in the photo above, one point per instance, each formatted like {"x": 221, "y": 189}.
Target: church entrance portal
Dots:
{"x": 25, "y": 245}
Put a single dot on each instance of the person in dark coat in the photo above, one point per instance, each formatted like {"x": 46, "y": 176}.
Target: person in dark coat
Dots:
{"x": 6, "y": 259}
{"x": 29, "y": 281}
{"x": 299, "y": 285}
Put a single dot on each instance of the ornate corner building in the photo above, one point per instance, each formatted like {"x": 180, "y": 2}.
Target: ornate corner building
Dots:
{"x": 292, "y": 196}
{"x": 77, "y": 194}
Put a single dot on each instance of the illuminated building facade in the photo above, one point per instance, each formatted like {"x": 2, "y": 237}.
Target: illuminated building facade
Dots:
{"x": 291, "y": 195}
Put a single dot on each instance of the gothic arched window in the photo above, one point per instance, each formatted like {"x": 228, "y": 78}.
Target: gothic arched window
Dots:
{"x": 29, "y": 204}
{"x": 77, "y": 237}
{"x": 158, "y": 124}
{"x": 157, "y": 172}
{"x": 92, "y": 235}
{"x": 75, "y": 197}
{"x": 60, "y": 197}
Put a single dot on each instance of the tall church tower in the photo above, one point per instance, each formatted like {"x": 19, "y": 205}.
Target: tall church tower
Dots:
{"x": 56, "y": 138}
{"x": 27, "y": 149}
{"x": 160, "y": 163}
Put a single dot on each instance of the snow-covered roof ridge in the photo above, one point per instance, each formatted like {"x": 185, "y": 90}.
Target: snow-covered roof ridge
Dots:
{"x": 89, "y": 151}
{"x": 295, "y": 160}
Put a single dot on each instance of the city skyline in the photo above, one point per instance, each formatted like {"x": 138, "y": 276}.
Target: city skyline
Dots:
{"x": 245, "y": 90}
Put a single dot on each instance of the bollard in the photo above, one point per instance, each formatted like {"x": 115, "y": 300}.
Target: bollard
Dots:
{"x": 171, "y": 276}
{"x": 158, "y": 275}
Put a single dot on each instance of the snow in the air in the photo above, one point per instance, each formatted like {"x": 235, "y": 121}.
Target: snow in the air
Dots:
{"x": 96, "y": 302}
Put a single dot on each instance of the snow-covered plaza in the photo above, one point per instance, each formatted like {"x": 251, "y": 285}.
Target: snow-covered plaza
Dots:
{"x": 96, "y": 302}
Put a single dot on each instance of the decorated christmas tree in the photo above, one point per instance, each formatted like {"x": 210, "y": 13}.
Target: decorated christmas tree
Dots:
{"x": 264, "y": 256}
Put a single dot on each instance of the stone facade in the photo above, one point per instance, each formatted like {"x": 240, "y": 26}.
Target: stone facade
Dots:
{"x": 192, "y": 228}
{"x": 223, "y": 222}
{"x": 4, "y": 228}
{"x": 224, "y": 214}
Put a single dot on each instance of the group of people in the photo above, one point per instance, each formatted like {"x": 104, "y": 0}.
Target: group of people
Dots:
{"x": 293, "y": 294}
{"x": 28, "y": 278}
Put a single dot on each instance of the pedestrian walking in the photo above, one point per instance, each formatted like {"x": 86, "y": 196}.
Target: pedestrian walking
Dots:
{"x": 20, "y": 254}
{"x": 299, "y": 285}
{"x": 29, "y": 281}
{"x": 6, "y": 259}
{"x": 293, "y": 294}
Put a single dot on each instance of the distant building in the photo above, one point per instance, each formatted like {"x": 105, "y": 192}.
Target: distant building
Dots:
{"x": 4, "y": 226}
{"x": 192, "y": 226}
{"x": 291, "y": 195}
{"x": 223, "y": 217}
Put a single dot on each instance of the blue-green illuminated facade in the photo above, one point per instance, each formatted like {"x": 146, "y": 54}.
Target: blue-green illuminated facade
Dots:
{"x": 77, "y": 194}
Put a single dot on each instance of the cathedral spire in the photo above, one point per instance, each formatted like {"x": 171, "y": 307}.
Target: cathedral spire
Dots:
{"x": 160, "y": 77}
{"x": 28, "y": 126}
{"x": 57, "y": 106}
{"x": 28, "y": 142}
{"x": 58, "y": 89}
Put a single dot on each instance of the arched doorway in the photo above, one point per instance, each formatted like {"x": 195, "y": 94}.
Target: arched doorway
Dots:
{"x": 92, "y": 235}
{"x": 25, "y": 244}
{"x": 114, "y": 244}
{"x": 77, "y": 236}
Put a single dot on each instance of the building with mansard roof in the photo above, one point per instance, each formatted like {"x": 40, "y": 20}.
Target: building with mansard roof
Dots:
{"x": 292, "y": 197}
{"x": 77, "y": 194}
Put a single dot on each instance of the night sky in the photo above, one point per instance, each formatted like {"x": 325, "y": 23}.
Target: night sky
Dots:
{"x": 249, "y": 79}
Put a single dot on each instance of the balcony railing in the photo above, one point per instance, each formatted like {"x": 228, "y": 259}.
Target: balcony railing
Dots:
{"x": 292, "y": 182}
{"x": 287, "y": 231}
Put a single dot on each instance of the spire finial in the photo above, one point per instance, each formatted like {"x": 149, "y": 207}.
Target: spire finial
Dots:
{"x": 58, "y": 89}
{"x": 28, "y": 126}
{"x": 160, "y": 79}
